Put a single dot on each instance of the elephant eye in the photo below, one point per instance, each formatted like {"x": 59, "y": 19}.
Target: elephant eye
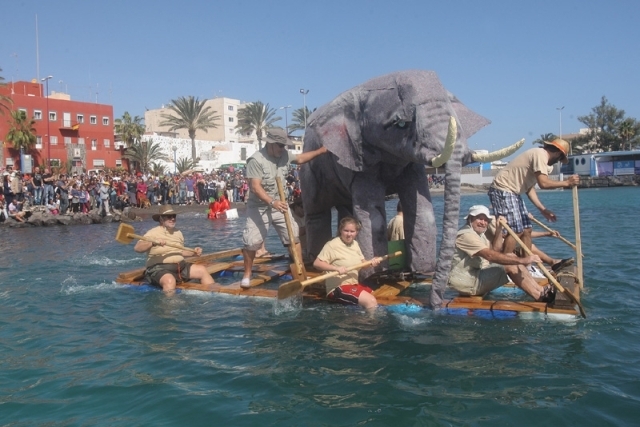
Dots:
{"x": 401, "y": 123}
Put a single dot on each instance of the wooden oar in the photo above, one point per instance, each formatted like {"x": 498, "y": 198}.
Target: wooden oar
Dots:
{"x": 297, "y": 268}
{"x": 543, "y": 225}
{"x": 544, "y": 270}
{"x": 126, "y": 235}
{"x": 295, "y": 286}
{"x": 576, "y": 220}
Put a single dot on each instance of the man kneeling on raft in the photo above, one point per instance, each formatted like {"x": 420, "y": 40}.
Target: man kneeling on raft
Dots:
{"x": 479, "y": 266}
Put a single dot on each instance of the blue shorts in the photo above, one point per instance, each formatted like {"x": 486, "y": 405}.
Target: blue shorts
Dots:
{"x": 511, "y": 207}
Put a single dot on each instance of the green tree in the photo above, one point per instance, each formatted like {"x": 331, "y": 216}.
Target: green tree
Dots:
{"x": 298, "y": 118}
{"x": 144, "y": 153}
{"x": 603, "y": 124}
{"x": 256, "y": 117}
{"x": 22, "y": 132}
{"x": 184, "y": 164}
{"x": 5, "y": 101}
{"x": 129, "y": 129}
{"x": 192, "y": 115}
{"x": 548, "y": 137}
{"x": 158, "y": 168}
{"x": 627, "y": 132}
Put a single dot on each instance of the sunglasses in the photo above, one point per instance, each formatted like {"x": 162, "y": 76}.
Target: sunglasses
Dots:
{"x": 172, "y": 216}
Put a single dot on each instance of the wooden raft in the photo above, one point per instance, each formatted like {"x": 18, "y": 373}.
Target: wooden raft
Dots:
{"x": 387, "y": 291}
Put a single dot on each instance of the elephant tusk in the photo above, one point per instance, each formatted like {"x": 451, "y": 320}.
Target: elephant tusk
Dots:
{"x": 450, "y": 142}
{"x": 498, "y": 154}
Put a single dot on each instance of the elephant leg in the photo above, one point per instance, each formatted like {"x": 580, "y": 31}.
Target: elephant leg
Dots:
{"x": 368, "y": 195}
{"x": 419, "y": 220}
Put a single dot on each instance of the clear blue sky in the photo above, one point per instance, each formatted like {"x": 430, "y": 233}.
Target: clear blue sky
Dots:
{"x": 511, "y": 61}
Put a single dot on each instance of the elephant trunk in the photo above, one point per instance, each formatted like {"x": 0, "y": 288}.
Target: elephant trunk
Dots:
{"x": 498, "y": 154}
{"x": 453, "y": 169}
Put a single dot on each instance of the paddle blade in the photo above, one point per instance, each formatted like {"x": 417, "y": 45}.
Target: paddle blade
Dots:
{"x": 289, "y": 289}
{"x": 122, "y": 236}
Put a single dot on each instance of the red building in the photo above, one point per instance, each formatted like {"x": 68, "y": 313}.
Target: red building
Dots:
{"x": 80, "y": 132}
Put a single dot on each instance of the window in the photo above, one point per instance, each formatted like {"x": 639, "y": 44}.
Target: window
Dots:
{"x": 37, "y": 115}
{"x": 55, "y": 163}
{"x": 80, "y": 118}
{"x": 67, "y": 140}
{"x": 38, "y": 142}
{"x": 98, "y": 163}
{"x": 52, "y": 116}
{"x": 94, "y": 144}
{"x": 107, "y": 143}
{"x": 105, "y": 121}
{"x": 582, "y": 161}
{"x": 119, "y": 163}
{"x": 9, "y": 161}
{"x": 93, "y": 120}
{"x": 53, "y": 140}
{"x": 230, "y": 108}
{"x": 231, "y": 119}
{"x": 81, "y": 141}
{"x": 23, "y": 111}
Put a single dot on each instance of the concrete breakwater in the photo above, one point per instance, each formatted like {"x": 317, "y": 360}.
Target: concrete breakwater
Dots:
{"x": 609, "y": 181}
{"x": 37, "y": 218}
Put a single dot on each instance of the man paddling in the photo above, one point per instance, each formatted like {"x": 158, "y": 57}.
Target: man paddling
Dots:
{"x": 520, "y": 177}
{"x": 264, "y": 207}
{"x": 165, "y": 265}
{"x": 478, "y": 266}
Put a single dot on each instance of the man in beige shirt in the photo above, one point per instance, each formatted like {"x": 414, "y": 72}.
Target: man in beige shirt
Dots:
{"x": 520, "y": 177}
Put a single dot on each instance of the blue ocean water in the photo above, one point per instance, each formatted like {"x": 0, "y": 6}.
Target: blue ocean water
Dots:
{"x": 78, "y": 349}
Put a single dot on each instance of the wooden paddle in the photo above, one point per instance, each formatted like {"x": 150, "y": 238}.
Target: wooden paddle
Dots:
{"x": 543, "y": 225}
{"x": 295, "y": 286}
{"x": 126, "y": 235}
{"x": 578, "y": 248}
{"x": 544, "y": 270}
{"x": 297, "y": 268}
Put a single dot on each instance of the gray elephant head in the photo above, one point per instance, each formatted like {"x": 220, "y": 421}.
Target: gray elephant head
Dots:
{"x": 380, "y": 136}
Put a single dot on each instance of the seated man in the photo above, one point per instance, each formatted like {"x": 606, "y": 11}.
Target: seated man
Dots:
{"x": 15, "y": 211}
{"x": 479, "y": 266}
{"x": 166, "y": 265}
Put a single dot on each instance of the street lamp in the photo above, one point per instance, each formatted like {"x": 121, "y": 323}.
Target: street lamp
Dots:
{"x": 560, "y": 136}
{"x": 175, "y": 166}
{"x": 286, "y": 119}
{"x": 304, "y": 93}
{"x": 46, "y": 82}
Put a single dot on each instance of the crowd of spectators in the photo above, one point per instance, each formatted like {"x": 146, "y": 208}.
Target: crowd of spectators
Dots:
{"x": 69, "y": 194}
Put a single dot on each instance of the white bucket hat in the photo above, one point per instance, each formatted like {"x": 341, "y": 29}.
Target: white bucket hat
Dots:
{"x": 476, "y": 210}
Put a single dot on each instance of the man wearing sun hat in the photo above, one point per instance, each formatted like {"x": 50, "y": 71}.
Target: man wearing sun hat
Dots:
{"x": 264, "y": 207}
{"x": 519, "y": 177}
{"x": 166, "y": 265}
{"x": 104, "y": 192}
{"x": 479, "y": 266}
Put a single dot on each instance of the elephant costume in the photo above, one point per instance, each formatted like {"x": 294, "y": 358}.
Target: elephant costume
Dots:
{"x": 380, "y": 136}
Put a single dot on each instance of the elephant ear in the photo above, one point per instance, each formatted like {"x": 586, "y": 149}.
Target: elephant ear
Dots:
{"x": 468, "y": 122}
{"x": 337, "y": 125}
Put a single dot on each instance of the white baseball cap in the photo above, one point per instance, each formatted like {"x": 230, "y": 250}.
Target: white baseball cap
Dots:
{"x": 476, "y": 210}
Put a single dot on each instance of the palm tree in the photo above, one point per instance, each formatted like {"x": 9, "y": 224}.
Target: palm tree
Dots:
{"x": 158, "y": 169}
{"x": 191, "y": 115}
{"x": 22, "y": 133}
{"x": 256, "y": 117}
{"x": 129, "y": 129}
{"x": 144, "y": 153}
{"x": 627, "y": 131}
{"x": 5, "y": 101}
{"x": 184, "y": 164}
{"x": 548, "y": 137}
{"x": 298, "y": 118}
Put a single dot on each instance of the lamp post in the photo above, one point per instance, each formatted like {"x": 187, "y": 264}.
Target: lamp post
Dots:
{"x": 46, "y": 82}
{"x": 304, "y": 93}
{"x": 560, "y": 136}
{"x": 175, "y": 166}
{"x": 286, "y": 118}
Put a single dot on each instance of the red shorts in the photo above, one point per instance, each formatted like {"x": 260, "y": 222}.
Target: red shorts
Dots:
{"x": 348, "y": 294}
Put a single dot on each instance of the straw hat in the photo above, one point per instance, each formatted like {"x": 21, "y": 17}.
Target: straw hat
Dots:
{"x": 561, "y": 145}
{"x": 164, "y": 210}
{"x": 278, "y": 136}
{"x": 105, "y": 183}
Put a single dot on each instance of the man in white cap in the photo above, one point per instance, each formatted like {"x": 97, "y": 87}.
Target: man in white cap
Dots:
{"x": 479, "y": 266}
{"x": 264, "y": 207}
{"x": 165, "y": 264}
{"x": 105, "y": 191}
{"x": 520, "y": 177}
